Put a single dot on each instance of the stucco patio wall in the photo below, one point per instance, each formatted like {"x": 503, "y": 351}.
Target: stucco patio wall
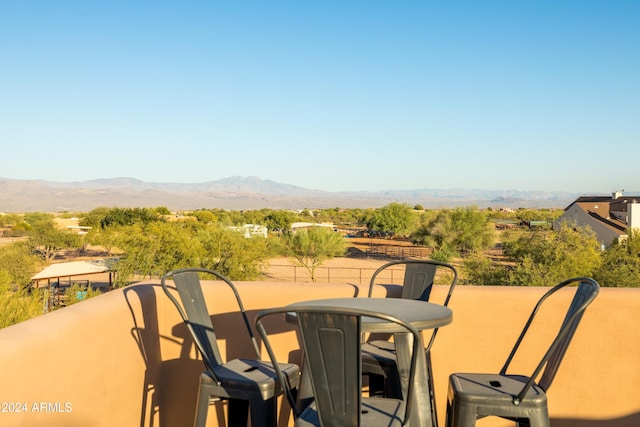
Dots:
{"x": 124, "y": 358}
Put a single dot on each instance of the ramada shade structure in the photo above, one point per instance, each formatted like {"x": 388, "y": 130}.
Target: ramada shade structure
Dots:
{"x": 61, "y": 270}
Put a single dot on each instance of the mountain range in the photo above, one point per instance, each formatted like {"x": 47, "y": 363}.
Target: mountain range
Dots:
{"x": 245, "y": 193}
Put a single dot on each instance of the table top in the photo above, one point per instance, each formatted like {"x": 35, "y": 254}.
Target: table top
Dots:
{"x": 420, "y": 314}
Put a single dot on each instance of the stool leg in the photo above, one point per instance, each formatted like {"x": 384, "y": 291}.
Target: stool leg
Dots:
{"x": 238, "y": 412}
{"x": 392, "y": 385}
{"x": 463, "y": 416}
{"x": 432, "y": 392}
{"x": 538, "y": 418}
{"x": 202, "y": 407}
{"x": 459, "y": 415}
{"x": 263, "y": 412}
{"x": 376, "y": 385}
{"x": 449, "y": 415}
{"x": 305, "y": 390}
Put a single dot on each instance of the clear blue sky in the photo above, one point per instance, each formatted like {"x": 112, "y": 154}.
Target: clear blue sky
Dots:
{"x": 330, "y": 95}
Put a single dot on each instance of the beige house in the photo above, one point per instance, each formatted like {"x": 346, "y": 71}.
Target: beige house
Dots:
{"x": 610, "y": 217}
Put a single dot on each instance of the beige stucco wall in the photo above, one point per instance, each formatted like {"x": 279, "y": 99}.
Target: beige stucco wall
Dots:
{"x": 120, "y": 358}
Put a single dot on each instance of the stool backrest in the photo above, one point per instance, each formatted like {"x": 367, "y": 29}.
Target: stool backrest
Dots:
{"x": 419, "y": 277}
{"x": 195, "y": 314}
{"x": 586, "y": 290}
{"x": 331, "y": 343}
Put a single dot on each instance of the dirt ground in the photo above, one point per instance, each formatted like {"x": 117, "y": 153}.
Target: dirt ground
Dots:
{"x": 364, "y": 256}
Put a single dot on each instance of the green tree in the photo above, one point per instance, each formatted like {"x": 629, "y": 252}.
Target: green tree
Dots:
{"x": 10, "y": 220}
{"x": 313, "y": 247}
{"x": 254, "y": 217}
{"x": 482, "y": 271}
{"x": 114, "y": 217}
{"x": 225, "y": 217}
{"x": 455, "y": 232}
{"x": 19, "y": 263}
{"x": 229, "y": 253}
{"x": 549, "y": 215}
{"x": 545, "y": 258}
{"x": 94, "y": 217}
{"x": 47, "y": 239}
{"x": 17, "y": 303}
{"x": 105, "y": 238}
{"x": 306, "y": 215}
{"x": 352, "y": 217}
{"x": 163, "y": 210}
{"x": 279, "y": 220}
{"x": 204, "y": 216}
{"x": 621, "y": 263}
{"x": 35, "y": 217}
{"x": 394, "y": 218}
{"x": 153, "y": 249}
{"x": 18, "y": 229}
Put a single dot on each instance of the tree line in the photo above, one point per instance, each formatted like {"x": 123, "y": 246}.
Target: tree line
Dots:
{"x": 151, "y": 241}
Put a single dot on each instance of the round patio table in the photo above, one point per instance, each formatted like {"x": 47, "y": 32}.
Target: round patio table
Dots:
{"x": 421, "y": 315}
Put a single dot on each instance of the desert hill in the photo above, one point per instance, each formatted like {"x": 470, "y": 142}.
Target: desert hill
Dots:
{"x": 238, "y": 193}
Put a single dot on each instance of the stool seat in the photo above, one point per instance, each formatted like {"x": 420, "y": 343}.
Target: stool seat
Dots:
{"x": 520, "y": 398}
{"x": 474, "y": 396}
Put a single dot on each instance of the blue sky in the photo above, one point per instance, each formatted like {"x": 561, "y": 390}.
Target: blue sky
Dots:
{"x": 331, "y": 95}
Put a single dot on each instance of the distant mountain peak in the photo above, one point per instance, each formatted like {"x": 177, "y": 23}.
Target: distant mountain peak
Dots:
{"x": 243, "y": 193}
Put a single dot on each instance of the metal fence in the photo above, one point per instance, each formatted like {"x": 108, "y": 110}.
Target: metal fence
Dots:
{"x": 356, "y": 275}
{"x": 398, "y": 252}
{"x": 294, "y": 273}
{"x": 360, "y": 275}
